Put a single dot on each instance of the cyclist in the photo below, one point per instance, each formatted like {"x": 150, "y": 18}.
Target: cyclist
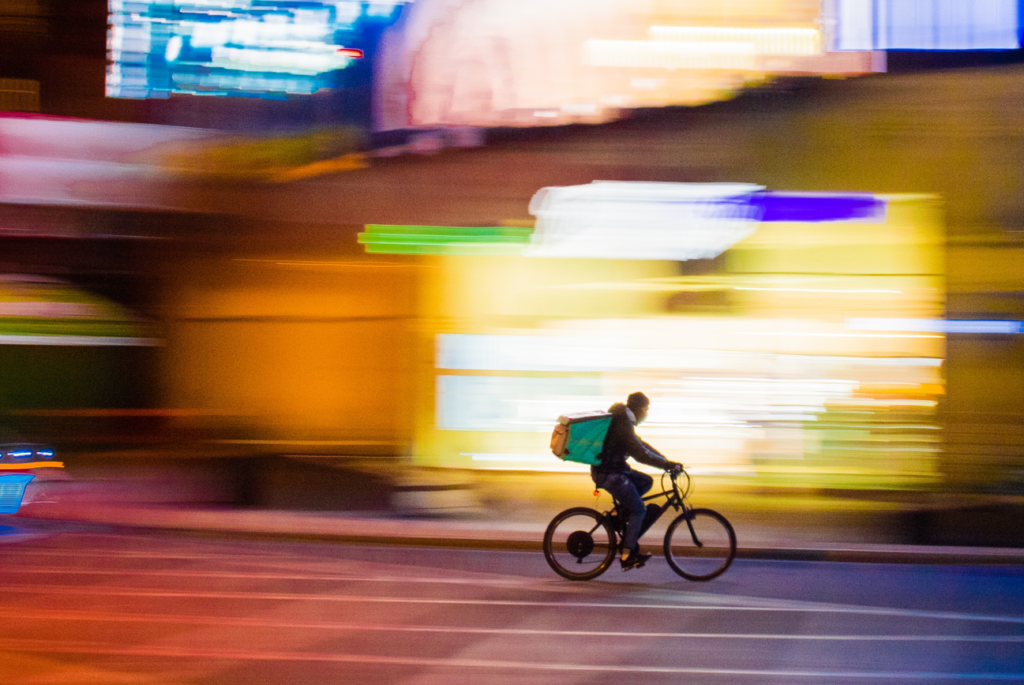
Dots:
{"x": 627, "y": 486}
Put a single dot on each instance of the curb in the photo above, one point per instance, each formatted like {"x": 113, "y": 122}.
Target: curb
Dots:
{"x": 949, "y": 556}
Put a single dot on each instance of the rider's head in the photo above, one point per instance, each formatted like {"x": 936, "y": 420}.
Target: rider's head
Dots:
{"x": 638, "y": 404}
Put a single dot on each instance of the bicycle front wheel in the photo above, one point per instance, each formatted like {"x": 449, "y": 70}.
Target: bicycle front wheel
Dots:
{"x": 700, "y": 544}
{"x": 579, "y": 544}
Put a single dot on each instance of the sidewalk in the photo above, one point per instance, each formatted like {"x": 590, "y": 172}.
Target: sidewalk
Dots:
{"x": 800, "y": 528}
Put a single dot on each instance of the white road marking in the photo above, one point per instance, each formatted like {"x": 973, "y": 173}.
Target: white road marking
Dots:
{"x": 187, "y": 556}
{"x": 320, "y": 577}
{"x": 355, "y": 599}
{"x": 658, "y": 598}
{"x": 246, "y": 550}
{"x": 104, "y": 649}
{"x": 277, "y": 624}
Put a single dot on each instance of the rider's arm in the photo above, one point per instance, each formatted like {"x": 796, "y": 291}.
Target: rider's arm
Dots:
{"x": 641, "y": 451}
{"x": 650, "y": 448}
{"x": 656, "y": 458}
{"x": 652, "y": 458}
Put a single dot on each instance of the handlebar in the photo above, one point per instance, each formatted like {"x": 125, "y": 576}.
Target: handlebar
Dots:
{"x": 675, "y": 473}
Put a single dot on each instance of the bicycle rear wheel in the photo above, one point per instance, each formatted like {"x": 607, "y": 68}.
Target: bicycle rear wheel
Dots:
{"x": 579, "y": 544}
{"x": 700, "y": 544}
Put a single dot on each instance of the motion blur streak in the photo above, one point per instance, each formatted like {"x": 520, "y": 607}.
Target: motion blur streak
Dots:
{"x": 61, "y": 161}
{"x": 37, "y": 310}
{"x": 512, "y": 63}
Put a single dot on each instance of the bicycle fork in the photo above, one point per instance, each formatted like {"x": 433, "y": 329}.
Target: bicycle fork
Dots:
{"x": 693, "y": 531}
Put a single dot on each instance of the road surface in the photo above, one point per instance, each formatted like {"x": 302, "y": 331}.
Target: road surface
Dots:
{"x": 107, "y": 606}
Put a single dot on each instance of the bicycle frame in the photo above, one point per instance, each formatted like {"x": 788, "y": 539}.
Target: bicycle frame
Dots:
{"x": 674, "y": 498}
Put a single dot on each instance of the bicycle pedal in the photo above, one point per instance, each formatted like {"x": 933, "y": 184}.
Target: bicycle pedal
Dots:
{"x": 637, "y": 561}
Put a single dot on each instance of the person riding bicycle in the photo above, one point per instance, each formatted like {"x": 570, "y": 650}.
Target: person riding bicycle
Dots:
{"x": 615, "y": 476}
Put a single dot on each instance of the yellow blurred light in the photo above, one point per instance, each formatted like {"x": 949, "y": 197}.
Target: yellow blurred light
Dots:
{"x": 814, "y": 334}
{"x": 820, "y": 290}
{"x": 872, "y": 402}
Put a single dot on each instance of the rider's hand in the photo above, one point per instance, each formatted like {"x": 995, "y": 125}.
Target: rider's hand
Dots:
{"x": 675, "y": 468}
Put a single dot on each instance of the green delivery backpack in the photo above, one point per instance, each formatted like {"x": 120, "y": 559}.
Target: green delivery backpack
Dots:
{"x": 580, "y": 437}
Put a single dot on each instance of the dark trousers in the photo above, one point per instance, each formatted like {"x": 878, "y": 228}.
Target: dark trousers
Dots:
{"x": 628, "y": 489}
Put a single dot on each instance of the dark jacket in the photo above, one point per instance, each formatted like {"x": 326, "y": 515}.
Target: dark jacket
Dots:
{"x": 621, "y": 442}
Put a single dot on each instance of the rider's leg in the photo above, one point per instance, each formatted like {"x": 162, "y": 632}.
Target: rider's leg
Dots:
{"x": 621, "y": 487}
{"x": 641, "y": 481}
{"x": 643, "y": 484}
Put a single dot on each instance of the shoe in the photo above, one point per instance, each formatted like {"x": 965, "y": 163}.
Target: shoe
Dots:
{"x": 635, "y": 560}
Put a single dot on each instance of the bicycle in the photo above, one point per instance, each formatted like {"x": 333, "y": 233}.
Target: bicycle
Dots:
{"x": 700, "y": 544}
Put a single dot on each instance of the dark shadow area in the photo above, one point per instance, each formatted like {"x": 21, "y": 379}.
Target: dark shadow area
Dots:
{"x": 981, "y": 526}
{"x": 294, "y": 484}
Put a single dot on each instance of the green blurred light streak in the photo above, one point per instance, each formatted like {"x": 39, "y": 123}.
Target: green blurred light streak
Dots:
{"x": 445, "y": 240}
{"x": 31, "y": 326}
{"x": 463, "y": 231}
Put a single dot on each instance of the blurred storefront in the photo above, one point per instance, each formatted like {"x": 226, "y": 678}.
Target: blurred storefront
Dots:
{"x": 277, "y": 353}
{"x": 788, "y": 365}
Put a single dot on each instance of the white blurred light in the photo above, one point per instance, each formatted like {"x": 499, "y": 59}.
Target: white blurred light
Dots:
{"x": 173, "y": 48}
{"x": 714, "y": 407}
{"x": 936, "y": 325}
{"x": 763, "y": 41}
{"x": 818, "y": 334}
{"x": 286, "y": 61}
{"x": 821, "y": 290}
{"x": 669, "y": 55}
{"x": 622, "y": 220}
{"x": 697, "y": 396}
{"x": 466, "y": 352}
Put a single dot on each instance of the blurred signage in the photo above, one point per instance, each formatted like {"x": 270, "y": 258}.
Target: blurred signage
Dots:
{"x": 619, "y": 220}
{"x": 926, "y": 24}
{"x": 237, "y": 47}
{"x": 681, "y": 221}
{"x": 562, "y": 61}
{"x": 631, "y": 220}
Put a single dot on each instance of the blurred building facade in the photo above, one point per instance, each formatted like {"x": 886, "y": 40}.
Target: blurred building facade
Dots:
{"x": 278, "y": 331}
